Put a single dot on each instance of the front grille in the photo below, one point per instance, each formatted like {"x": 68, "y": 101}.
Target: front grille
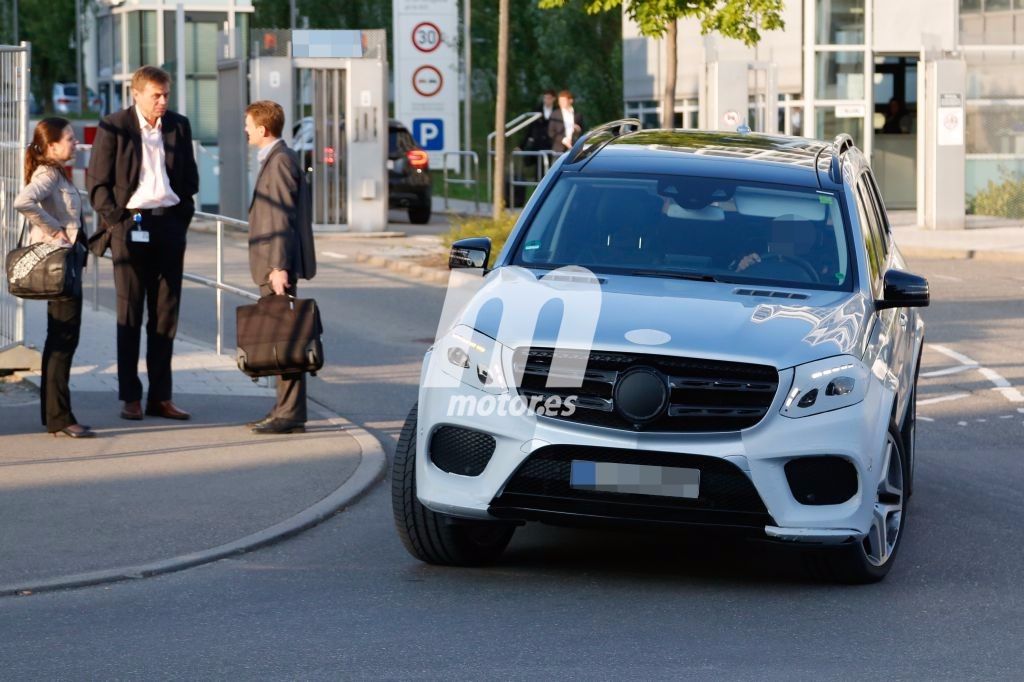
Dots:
{"x": 705, "y": 395}
{"x": 540, "y": 488}
{"x": 461, "y": 451}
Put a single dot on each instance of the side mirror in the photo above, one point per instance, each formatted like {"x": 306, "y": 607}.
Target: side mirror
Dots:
{"x": 903, "y": 290}
{"x": 474, "y": 252}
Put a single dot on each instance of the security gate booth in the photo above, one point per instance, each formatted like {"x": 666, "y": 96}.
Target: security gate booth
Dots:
{"x": 333, "y": 86}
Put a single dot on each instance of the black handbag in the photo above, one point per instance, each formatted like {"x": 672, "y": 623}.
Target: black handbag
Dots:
{"x": 279, "y": 335}
{"x": 45, "y": 271}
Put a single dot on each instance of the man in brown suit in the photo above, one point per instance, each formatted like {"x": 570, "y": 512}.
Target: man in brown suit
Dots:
{"x": 280, "y": 243}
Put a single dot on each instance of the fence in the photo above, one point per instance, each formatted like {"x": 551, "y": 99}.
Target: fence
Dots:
{"x": 14, "y": 71}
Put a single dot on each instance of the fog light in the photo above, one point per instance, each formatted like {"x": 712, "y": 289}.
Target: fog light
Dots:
{"x": 808, "y": 399}
{"x": 458, "y": 357}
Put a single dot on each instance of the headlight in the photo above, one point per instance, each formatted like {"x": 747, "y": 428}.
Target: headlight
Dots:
{"x": 472, "y": 358}
{"x": 826, "y": 385}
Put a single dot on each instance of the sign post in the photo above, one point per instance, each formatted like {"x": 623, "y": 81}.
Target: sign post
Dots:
{"x": 427, "y": 74}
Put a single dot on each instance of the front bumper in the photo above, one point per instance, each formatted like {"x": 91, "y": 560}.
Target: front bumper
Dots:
{"x": 856, "y": 433}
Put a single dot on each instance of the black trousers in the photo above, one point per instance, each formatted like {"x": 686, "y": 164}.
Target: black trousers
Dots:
{"x": 148, "y": 274}
{"x": 291, "y": 388}
{"x": 63, "y": 326}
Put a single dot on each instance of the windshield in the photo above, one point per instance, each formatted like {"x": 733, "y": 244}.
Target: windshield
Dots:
{"x": 698, "y": 228}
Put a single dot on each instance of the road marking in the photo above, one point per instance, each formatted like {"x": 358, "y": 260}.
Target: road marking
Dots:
{"x": 943, "y": 398}
{"x": 961, "y": 423}
{"x": 981, "y": 421}
{"x": 332, "y": 254}
{"x": 1006, "y": 416}
{"x": 956, "y": 369}
{"x": 948, "y": 277}
{"x": 1001, "y": 384}
{"x": 925, "y": 419}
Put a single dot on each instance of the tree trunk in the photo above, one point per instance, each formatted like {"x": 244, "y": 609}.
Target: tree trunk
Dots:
{"x": 668, "y": 97}
{"x": 499, "y": 111}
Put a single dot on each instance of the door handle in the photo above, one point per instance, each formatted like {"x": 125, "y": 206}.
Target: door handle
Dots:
{"x": 903, "y": 319}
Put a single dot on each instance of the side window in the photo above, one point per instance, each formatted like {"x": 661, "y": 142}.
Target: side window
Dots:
{"x": 882, "y": 219}
{"x": 867, "y": 219}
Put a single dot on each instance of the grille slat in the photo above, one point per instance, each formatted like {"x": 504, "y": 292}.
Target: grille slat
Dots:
{"x": 705, "y": 395}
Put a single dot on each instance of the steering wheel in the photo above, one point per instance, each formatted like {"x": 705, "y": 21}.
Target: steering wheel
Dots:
{"x": 795, "y": 261}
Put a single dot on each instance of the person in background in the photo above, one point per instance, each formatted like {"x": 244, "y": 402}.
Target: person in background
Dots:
{"x": 280, "y": 243}
{"x": 142, "y": 176}
{"x": 53, "y": 207}
{"x": 566, "y": 124}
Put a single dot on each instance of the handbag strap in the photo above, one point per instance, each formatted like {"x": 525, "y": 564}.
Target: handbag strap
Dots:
{"x": 24, "y": 231}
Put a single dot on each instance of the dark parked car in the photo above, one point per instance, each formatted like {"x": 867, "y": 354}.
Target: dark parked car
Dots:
{"x": 408, "y": 165}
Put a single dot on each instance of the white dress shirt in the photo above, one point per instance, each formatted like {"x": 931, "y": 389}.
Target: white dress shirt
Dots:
{"x": 570, "y": 121}
{"x": 547, "y": 112}
{"x": 154, "y": 188}
{"x": 263, "y": 153}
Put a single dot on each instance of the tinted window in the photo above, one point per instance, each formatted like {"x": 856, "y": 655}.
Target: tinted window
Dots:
{"x": 675, "y": 225}
{"x": 870, "y": 232}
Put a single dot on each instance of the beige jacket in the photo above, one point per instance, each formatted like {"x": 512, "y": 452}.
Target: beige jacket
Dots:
{"x": 50, "y": 202}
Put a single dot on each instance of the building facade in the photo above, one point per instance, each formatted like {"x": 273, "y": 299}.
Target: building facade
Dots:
{"x": 859, "y": 66}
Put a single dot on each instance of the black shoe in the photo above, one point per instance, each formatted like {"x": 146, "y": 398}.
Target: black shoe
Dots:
{"x": 280, "y": 426}
{"x": 262, "y": 420}
{"x": 77, "y": 431}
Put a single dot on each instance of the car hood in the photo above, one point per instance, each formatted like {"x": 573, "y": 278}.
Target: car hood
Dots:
{"x": 776, "y": 326}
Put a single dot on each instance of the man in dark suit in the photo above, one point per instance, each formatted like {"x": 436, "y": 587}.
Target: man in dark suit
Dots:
{"x": 141, "y": 179}
{"x": 566, "y": 124}
{"x": 280, "y": 243}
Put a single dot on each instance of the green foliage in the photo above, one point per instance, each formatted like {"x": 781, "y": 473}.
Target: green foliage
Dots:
{"x": 470, "y": 226}
{"x": 740, "y": 19}
{"x": 50, "y": 26}
{"x": 1004, "y": 199}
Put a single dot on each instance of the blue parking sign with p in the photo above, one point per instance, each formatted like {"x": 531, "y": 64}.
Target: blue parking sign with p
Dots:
{"x": 429, "y": 133}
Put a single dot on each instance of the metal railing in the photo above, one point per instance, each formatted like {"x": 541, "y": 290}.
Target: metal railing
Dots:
{"x": 217, "y": 284}
{"x": 14, "y": 80}
{"x": 542, "y": 165}
{"x": 517, "y": 124}
{"x": 469, "y": 178}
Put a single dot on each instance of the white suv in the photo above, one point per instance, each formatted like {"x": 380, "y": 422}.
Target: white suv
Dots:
{"x": 702, "y": 329}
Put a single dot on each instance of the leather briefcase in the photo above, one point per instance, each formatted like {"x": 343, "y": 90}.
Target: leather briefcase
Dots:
{"x": 45, "y": 271}
{"x": 279, "y": 335}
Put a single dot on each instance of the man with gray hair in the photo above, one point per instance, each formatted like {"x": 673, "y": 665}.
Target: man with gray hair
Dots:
{"x": 141, "y": 179}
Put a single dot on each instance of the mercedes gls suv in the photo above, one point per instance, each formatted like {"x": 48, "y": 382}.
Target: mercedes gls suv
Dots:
{"x": 705, "y": 329}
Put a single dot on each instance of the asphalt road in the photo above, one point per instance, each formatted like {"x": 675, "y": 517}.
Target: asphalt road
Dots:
{"x": 344, "y": 600}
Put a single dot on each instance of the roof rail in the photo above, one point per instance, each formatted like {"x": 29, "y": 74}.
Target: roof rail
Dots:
{"x": 840, "y": 144}
{"x": 620, "y": 126}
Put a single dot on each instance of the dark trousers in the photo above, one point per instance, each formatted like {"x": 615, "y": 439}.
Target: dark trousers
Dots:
{"x": 150, "y": 275}
{"x": 291, "y": 388}
{"x": 63, "y": 325}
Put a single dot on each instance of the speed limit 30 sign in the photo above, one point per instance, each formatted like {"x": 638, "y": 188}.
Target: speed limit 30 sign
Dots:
{"x": 426, "y": 36}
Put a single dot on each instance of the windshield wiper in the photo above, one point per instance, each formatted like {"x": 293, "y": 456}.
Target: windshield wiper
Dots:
{"x": 676, "y": 274}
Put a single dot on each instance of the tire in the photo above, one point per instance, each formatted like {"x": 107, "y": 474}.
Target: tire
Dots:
{"x": 419, "y": 215}
{"x": 866, "y": 561}
{"x": 432, "y": 537}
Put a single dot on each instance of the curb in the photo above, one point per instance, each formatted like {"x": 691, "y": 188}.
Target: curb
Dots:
{"x": 371, "y": 469}
{"x": 414, "y": 270}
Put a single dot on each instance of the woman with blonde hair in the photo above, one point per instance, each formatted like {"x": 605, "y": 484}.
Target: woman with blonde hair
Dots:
{"x": 53, "y": 208}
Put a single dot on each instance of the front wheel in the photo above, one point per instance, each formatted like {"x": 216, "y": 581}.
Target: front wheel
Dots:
{"x": 869, "y": 560}
{"x": 432, "y": 537}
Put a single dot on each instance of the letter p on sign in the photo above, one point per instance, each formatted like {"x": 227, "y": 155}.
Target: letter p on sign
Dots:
{"x": 429, "y": 133}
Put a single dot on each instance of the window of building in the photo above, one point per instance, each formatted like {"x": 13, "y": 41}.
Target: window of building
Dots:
{"x": 839, "y": 75}
{"x": 142, "y": 40}
{"x": 840, "y": 22}
{"x": 828, "y": 125}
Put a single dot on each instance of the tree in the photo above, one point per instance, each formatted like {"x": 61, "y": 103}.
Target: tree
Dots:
{"x": 739, "y": 19}
{"x": 499, "y": 111}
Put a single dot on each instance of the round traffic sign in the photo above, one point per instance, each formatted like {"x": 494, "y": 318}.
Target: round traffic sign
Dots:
{"x": 426, "y": 36}
{"x": 427, "y": 81}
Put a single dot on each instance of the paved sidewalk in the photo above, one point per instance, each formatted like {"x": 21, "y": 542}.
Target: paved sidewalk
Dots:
{"x": 157, "y": 495}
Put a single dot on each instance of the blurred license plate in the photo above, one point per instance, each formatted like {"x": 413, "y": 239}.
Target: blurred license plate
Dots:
{"x": 637, "y": 479}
